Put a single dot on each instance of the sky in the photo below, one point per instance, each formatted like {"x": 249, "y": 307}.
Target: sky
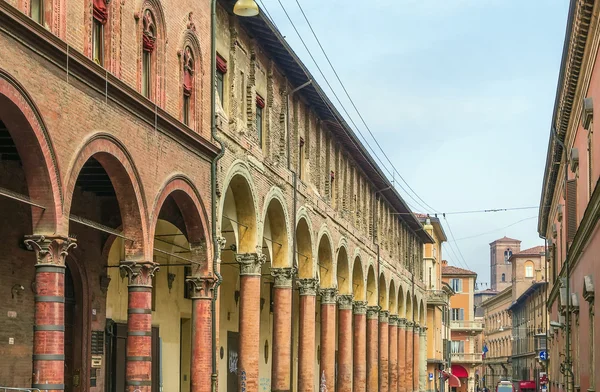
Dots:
{"x": 458, "y": 93}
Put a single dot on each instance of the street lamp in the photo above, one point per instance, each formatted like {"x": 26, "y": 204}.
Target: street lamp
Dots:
{"x": 245, "y": 8}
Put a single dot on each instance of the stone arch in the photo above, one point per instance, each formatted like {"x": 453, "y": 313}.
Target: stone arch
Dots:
{"x": 344, "y": 284}
{"x": 325, "y": 260}
{"x": 409, "y": 307}
{"x": 401, "y": 302}
{"x": 358, "y": 280}
{"x": 422, "y": 315}
{"x": 383, "y": 293}
{"x": 159, "y": 63}
{"x": 304, "y": 245}
{"x": 189, "y": 39}
{"x": 237, "y": 210}
{"x": 190, "y": 204}
{"x": 34, "y": 146}
{"x": 125, "y": 179}
{"x": 371, "y": 289}
{"x": 393, "y": 298}
{"x": 415, "y": 309}
{"x": 275, "y": 231}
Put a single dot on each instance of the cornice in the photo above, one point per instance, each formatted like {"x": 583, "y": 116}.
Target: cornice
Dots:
{"x": 24, "y": 30}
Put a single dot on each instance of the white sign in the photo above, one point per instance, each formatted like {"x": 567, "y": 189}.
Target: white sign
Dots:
{"x": 430, "y": 376}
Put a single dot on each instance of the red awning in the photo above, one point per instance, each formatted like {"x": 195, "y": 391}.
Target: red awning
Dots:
{"x": 460, "y": 371}
{"x": 453, "y": 381}
{"x": 527, "y": 385}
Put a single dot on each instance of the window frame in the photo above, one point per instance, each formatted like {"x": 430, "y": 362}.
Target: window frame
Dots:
{"x": 529, "y": 268}
{"x": 458, "y": 287}
{"x": 221, "y": 87}
{"x": 147, "y": 74}
{"x": 98, "y": 42}
{"x": 39, "y": 18}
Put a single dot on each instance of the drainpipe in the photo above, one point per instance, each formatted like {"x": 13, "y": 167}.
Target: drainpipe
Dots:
{"x": 213, "y": 183}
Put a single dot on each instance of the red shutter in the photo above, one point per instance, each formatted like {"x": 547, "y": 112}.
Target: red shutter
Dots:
{"x": 571, "y": 209}
{"x": 100, "y": 11}
{"x": 221, "y": 64}
{"x": 260, "y": 102}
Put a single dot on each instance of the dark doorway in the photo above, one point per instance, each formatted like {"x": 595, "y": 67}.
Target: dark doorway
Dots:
{"x": 233, "y": 349}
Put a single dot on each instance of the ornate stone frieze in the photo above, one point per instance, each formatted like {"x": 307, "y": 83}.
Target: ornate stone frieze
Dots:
{"x": 360, "y": 307}
{"x": 283, "y": 276}
{"x": 373, "y": 312}
{"x": 345, "y": 301}
{"x": 139, "y": 273}
{"x": 201, "y": 287}
{"x": 384, "y": 316}
{"x": 328, "y": 296}
{"x": 308, "y": 286}
{"x": 49, "y": 249}
{"x": 250, "y": 263}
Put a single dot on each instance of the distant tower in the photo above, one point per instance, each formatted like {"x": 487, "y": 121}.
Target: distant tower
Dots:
{"x": 500, "y": 268}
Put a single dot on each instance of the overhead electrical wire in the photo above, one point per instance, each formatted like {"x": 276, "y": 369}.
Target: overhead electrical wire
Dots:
{"x": 495, "y": 230}
{"x": 455, "y": 244}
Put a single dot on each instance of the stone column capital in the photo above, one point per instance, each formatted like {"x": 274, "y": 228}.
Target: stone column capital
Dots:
{"x": 401, "y": 322}
{"x": 328, "y": 295}
{"x": 383, "y": 316}
{"x": 49, "y": 250}
{"x": 201, "y": 287}
{"x": 373, "y": 312}
{"x": 283, "y": 276}
{"x": 409, "y": 324}
{"x": 393, "y": 319}
{"x": 345, "y": 301}
{"x": 360, "y": 307}
{"x": 308, "y": 286}
{"x": 250, "y": 263}
{"x": 416, "y": 328}
{"x": 423, "y": 332}
{"x": 139, "y": 273}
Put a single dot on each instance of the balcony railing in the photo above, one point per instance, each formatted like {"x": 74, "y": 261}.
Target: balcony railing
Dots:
{"x": 466, "y": 325}
{"x": 466, "y": 357}
{"x": 437, "y": 297}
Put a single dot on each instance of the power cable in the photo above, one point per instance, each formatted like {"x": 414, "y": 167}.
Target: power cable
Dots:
{"x": 455, "y": 244}
{"x": 495, "y": 230}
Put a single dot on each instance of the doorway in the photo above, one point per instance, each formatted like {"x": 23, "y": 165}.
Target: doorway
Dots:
{"x": 233, "y": 348}
{"x": 185, "y": 355}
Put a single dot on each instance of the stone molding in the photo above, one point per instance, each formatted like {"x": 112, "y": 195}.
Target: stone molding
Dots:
{"x": 373, "y": 312}
{"x": 345, "y": 301}
{"x": 250, "y": 263}
{"x": 139, "y": 273}
{"x": 201, "y": 287}
{"x": 360, "y": 307}
{"x": 393, "y": 320}
{"x": 383, "y": 316}
{"x": 328, "y": 296}
{"x": 283, "y": 277}
{"x": 409, "y": 324}
{"x": 308, "y": 286}
{"x": 401, "y": 323}
{"x": 49, "y": 249}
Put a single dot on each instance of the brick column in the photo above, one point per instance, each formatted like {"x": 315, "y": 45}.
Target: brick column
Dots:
{"x": 201, "y": 292}
{"x": 409, "y": 356}
{"x": 416, "y": 353}
{"x": 393, "y": 353}
{"x": 282, "y": 329}
{"x": 344, "y": 376}
{"x": 372, "y": 349}
{"x": 402, "y": 355}
{"x": 423, "y": 359}
{"x": 306, "y": 334}
{"x": 138, "y": 373}
{"x": 327, "y": 360}
{"x": 359, "y": 376}
{"x": 383, "y": 350}
{"x": 249, "y": 322}
{"x": 49, "y": 328}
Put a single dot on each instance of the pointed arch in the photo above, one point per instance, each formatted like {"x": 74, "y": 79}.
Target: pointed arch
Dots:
{"x": 409, "y": 308}
{"x": 275, "y": 230}
{"x": 358, "y": 280}
{"x": 401, "y": 302}
{"x": 191, "y": 78}
{"x": 304, "y": 245}
{"x": 325, "y": 260}
{"x": 151, "y": 13}
{"x": 371, "y": 290}
{"x": 393, "y": 298}
{"x": 383, "y": 293}
{"x": 344, "y": 284}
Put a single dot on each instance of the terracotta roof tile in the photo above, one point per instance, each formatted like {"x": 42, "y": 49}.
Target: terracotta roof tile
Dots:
{"x": 452, "y": 270}
{"x": 536, "y": 250}
{"x": 506, "y": 239}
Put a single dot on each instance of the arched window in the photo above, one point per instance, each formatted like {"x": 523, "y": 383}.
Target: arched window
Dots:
{"x": 529, "y": 269}
{"x": 507, "y": 255}
{"x": 148, "y": 46}
{"x": 188, "y": 84}
{"x": 504, "y": 277}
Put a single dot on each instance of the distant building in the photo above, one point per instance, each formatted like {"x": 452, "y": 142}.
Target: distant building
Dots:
{"x": 498, "y": 335}
{"x": 528, "y": 267}
{"x": 480, "y": 297}
{"x": 501, "y": 251}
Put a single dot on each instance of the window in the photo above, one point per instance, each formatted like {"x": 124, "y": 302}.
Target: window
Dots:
{"x": 430, "y": 282}
{"x": 507, "y": 255}
{"x": 301, "y": 159}
{"x": 331, "y": 186}
{"x": 149, "y": 39}
{"x": 37, "y": 11}
{"x": 457, "y": 314}
{"x": 457, "y": 347}
{"x": 504, "y": 277}
{"x": 98, "y": 42}
{"x": 260, "y": 105}
{"x": 529, "y": 269}
{"x": 221, "y": 70}
{"x": 456, "y": 285}
{"x": 188, "y": 83}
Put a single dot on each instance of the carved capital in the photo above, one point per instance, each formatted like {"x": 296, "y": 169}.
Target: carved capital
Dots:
{"x": 308, "y": 286}
{"x": 416, "y": 329}
{"x": 283, "y": 276}
{"x": 49, "y": 249}
{"x": 360, "y": 307}
{"x": 328, "y": 296}
{"x": 201, "y": 287}
{"x": 423, "y": 332}
{"x": 139, "y": 273}
{"x": 373, "y": 312}
{"x": 393, "y": 320}
{"x": 250, "y": 263}
{"x": 345, "y": 301}
{"x": 383, "y": 316}
{"x": 401, "y": 323}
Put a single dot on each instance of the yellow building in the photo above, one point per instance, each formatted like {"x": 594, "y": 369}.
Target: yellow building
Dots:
{"x": 465, "y": 330}
{"x": 498, "y": 333}
{"x": 438, "y": 297}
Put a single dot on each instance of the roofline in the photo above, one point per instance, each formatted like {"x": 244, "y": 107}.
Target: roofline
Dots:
{"x": 391, "y": 194}
{"x": 437, "y": 227}
{"x": 497, "y": 297}
{"x": 508, "y": 240}
{"x": 565, "y": 95}
{"x": 461, "y": 274}
{"x": 533, "y": 288}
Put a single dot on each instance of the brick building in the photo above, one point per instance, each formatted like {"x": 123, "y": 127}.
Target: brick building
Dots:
{"x": 501, "y": 251}
{"x": 570, "y": 208}
{"x": 106, "y": 156}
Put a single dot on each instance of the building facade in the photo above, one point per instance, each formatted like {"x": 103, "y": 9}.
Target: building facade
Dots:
{"x": 528, "y": 268}
{"x": 438, "y": 311}
{"x": 498, "y": 338}
{"x": 465, "y": 346}
{"x": 569, "y": 207}
{"x": 118, "y": 276}
{"x": 501, "y": 251}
